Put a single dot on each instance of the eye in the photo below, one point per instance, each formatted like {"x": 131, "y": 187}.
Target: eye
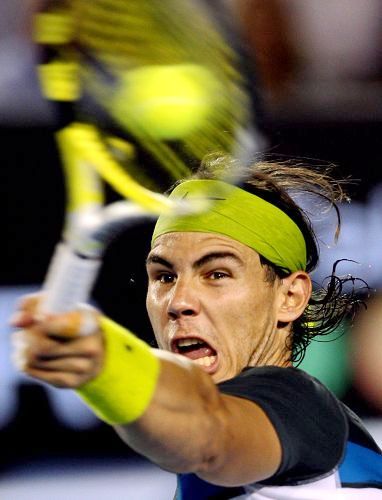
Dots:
{"x": 218, "y": 275}
{"x": 165, "y": 277}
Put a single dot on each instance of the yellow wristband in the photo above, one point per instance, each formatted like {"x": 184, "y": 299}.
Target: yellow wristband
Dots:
{"x": 123, "y": 390}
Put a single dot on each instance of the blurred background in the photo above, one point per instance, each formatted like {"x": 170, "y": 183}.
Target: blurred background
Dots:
{"x": 315, "y": 73}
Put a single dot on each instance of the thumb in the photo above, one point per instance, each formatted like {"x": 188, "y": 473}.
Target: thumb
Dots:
{"x": 82, "y": 321}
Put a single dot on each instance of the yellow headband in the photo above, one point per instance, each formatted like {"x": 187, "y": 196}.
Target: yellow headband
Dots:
{"x": 241, "y": 216}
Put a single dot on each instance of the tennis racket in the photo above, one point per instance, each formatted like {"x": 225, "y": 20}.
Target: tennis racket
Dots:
{"x": 144, "y": 89}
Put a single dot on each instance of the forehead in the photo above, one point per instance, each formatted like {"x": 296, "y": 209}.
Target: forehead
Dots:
{"x": 193, "y": 245}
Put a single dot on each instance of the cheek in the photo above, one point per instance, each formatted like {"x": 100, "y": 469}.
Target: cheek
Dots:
{"x": 235, "y": 318}
{"x": 154, "y": 305}
{"x": 246, "y": 312}
{"x": 237, "y": 304}
{"x": 154, "y": 313}
{"x": 151, "y": 303}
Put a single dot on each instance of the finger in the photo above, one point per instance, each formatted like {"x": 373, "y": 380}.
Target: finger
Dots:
{"x": 19, "y": 350}
{"x": 29, "y": 302}
{"x": 59, "y": 379}
{"x": 22, "y": 319}
{"x": 27, "y": 306}
{"x": 76, "y": 365}
{"x": 51, "y": 348}
{"x": 82, "y": 322}
{"x": 28, "y": 345}
{"x": 33, "y": 346}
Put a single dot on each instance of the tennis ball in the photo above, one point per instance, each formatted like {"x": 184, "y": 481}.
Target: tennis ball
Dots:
{"x": 166, "y": 102}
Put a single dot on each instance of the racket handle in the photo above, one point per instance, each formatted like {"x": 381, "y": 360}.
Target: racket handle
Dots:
{"x": 69, "y": 280}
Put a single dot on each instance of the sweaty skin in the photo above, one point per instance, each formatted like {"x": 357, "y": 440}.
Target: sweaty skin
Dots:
{"x": 211, "y": 288}
{"x": 213, "y": 314}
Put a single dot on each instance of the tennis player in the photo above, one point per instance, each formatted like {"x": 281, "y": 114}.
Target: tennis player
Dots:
{"x": 230, "y": 300}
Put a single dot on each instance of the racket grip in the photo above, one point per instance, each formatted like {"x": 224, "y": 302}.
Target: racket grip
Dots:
{"x": 69, "y": 280}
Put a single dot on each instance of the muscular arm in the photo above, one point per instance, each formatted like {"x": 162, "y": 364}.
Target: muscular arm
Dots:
{"x": 190, "y": 426}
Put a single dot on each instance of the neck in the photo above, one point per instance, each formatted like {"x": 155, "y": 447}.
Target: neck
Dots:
{"x": 275, "y": 350}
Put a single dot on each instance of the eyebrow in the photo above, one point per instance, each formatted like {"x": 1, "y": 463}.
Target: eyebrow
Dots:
{"x": 209, "y": 257}
{"x": 155, "y": 259}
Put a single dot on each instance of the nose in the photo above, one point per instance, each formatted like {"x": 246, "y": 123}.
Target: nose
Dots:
{"x": 183, "y": 301}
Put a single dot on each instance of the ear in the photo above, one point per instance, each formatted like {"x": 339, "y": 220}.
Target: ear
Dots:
{"x": 295, "y": 292}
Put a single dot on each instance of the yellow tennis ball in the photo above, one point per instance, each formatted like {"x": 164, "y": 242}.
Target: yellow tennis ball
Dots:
{"x": 167, "y": 102}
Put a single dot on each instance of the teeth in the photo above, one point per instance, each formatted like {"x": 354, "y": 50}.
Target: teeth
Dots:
{"x": 206, "y": 361}
{"x": 187, "y": 342}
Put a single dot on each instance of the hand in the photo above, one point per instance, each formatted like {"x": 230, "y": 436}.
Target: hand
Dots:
{"x": 64, "y": 350}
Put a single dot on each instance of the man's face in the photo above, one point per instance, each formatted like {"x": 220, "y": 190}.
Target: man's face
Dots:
{"x": 208, "y": 300}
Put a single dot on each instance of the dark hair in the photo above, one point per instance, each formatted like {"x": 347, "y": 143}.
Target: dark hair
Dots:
{"x": 281, "y": 183}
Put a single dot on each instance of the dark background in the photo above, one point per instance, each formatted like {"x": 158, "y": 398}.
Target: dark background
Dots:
{"x": 33, "y": 201}
{"x": 330, "y": 117}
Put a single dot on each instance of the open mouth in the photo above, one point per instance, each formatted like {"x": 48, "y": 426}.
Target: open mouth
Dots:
{"x": 197, "y": 350}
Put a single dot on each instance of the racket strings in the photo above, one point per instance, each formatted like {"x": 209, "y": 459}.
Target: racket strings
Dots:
{"x": 111, "y": 36}
{"x": 151, "y": 31}
{"x": 126, "y": 33}
{"x": 146, "y": 15}
{"x": 208, "y": 42}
